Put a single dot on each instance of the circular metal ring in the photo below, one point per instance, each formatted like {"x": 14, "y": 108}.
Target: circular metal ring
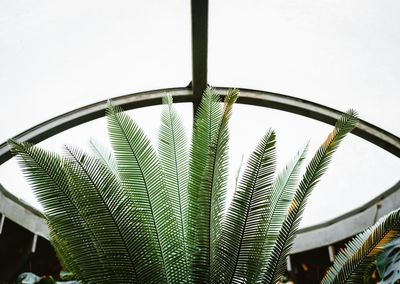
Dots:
{"x": 334, "y": 230}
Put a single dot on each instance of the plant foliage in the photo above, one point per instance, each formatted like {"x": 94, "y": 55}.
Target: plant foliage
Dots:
{"x": 137, "y": 215}
{"x": 388, "y": 263}
{"x": 359, "y": 253}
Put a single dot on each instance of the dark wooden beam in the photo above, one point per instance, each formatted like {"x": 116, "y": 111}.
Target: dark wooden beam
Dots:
{"x": 199, "y": 49}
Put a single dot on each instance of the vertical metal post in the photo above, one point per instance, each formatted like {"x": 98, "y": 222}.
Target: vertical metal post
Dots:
{"x": 199, "y": 10}
{"x": 3, "y": 217}
{"x": 331, "y": 251}
{"x": 288, "y": 264}
{"x": 34, "y": 243}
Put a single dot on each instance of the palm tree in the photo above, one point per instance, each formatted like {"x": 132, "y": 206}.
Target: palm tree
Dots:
{"x": 137, "y": 215}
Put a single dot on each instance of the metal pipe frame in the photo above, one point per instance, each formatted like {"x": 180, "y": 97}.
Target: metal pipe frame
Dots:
{"x": 40, "y": 132}
{"x": 199, "y": 13}
{"x": 334, "y": 230}
{"x": 308, "y": 238}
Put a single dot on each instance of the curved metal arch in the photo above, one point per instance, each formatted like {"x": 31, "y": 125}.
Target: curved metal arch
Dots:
{"x": 40, "y": 132}
{"x": 334, "y": 230}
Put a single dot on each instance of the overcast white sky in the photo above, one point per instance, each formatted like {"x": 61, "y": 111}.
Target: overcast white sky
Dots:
{"x": 59, "y": 55}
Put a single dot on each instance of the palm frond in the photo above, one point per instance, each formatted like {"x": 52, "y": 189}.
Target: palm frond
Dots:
{"x": 283, "y": 190}
{"x": 237, "y": 176}
{"x": 350, "y": 263}
{"x": 141, "y": 174}
{"x": 213, "y": 187}
{"x": 387, "y": 264}
{"x": 110, "y": 213}
{"x": 205, "y": 127}
{"x": 173, "y": 155}
{"x": 277, "y": 259}
{"x": 104, "y": 155}
{"x": 240, "y": 237}
{"x": 63, "y": 254}
{"x": 135, "y": 216}
{"x": 49, "y": 177}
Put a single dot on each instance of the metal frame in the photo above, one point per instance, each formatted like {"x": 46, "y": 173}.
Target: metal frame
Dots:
{"x": 329, "y": 232}
{"x": 334, "y": 230}
{"x": 199, "y": 9}
{"x": 349, "y": 224}
{"x": 22, "y": 214}
{"x": 40, "y": 132}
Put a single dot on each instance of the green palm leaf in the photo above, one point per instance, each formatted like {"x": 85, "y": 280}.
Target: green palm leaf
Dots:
{"x": 141, "y": 173}
{"x": 173, "y": 155}
{"x": 104, "y": 155}
{"x": 205, "y": 127}
{"x": 63, "y": 253}
{"x": 213, "y": 185}
{"x": 132, "y": 216}
{"x": 241, "y": 229}
{"x": 141, "y": 246}
{"x": 350, "y": 263}
{"x": 283, "y": 190}
{"x": 387, "y": 263}
{"x": 49, "y": 177}
{"x": 109, "y": 210}
{"x": 316, "y": 168}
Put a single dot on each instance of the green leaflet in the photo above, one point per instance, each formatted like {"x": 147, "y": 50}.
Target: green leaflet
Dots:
{"x": 316, "y": 168}
{"x": 205, "y": 127}
{"x": 141, "y": 173}
{"x": 387, "y": 263}
{"x": 108, "y": 208}
{"x": 283, "y": 190}
{"x": 350, "y": 263}
{"x": 173, "y": 154}
{"x": 49, "y": 176}
{"x": 214, "y": 181}
{"x": 136, "y": 216}
{"x": 104, "y": 156}
{"x": 240, "y": 239}
{"x": 211, "y": 186}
